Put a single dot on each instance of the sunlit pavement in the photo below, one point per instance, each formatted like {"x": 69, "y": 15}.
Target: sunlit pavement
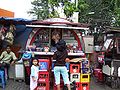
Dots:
{"x": 15, "y": 85}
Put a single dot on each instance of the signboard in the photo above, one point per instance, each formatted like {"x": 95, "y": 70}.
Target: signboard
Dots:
{"x": 88, "y": 40}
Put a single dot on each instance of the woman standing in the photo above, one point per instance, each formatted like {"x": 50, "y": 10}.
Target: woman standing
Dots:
{"x": 60, "y": 56}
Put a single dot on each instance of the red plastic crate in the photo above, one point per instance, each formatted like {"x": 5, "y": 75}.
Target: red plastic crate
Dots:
{"x": 100, "y": 76}
{"x": 75, "y": 77}
{"x": 43, "y": 76}
{"x": 84, "y": 86}
{"x": 77, "y": 85}
{"x": 74, "y": 68}
{"x": 96, "y": 71}
{"x": 44, "y": 64}
{"x": 43, "y": 86}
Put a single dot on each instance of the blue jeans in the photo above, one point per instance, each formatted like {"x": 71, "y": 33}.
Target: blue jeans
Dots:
{"x": 63, "y": 71}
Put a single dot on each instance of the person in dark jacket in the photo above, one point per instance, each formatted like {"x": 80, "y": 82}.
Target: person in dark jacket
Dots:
{"x": 60, "y": 56}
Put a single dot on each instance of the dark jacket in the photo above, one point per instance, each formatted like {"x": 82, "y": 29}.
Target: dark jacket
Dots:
{"x": 61, "y": 54}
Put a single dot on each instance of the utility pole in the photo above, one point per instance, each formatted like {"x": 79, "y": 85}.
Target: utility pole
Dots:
{"x": 75, "y": 16}
{"x": 76, "y": 2}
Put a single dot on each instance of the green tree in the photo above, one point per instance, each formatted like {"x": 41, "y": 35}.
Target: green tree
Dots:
{"x": 48, "y": 8}
{"x": 40, "y": 9}
{"x": 83, "y": 9}
{"x": 43, "y": 9}
{"x": 106, "y": 12}
{"x": 69, "y": 9}
{"x": 67, "y": 5}
{"x": 115, "y": 7}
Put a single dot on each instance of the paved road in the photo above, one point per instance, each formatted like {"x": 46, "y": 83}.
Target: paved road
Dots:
{"x": 99, "y": 86}
{"x": 14, "y": 85}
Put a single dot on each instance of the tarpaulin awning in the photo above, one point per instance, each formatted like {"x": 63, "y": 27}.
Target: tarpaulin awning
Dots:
{"x": 6, "y": 20}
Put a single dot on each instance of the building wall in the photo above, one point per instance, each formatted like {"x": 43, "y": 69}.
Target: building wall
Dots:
{"x": 6, "y": 13}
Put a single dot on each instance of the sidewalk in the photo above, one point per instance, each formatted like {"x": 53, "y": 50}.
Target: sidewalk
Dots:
{"x": 15, "y": 85}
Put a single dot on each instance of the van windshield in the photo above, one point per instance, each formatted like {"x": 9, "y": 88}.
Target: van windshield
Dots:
{"x": 106, "y": 44}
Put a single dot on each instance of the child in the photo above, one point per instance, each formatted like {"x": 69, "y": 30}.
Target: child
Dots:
{"x": 34, "y": 74}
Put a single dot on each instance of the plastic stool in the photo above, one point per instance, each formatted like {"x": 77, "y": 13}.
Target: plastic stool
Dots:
{"x": 2, "y": 77}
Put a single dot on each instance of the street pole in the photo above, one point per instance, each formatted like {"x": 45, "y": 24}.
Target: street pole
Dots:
{"x": 76, "y": 2}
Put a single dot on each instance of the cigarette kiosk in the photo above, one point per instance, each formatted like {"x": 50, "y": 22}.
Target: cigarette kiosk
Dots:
{"x": 41, "y": 38}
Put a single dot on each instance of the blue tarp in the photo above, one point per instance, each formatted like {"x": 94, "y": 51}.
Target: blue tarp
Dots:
{"x": 21, "y": 32}
{"x": 6, "y": 20}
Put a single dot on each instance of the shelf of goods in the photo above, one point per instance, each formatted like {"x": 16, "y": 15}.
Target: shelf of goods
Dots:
{"x": 51, "y": 53}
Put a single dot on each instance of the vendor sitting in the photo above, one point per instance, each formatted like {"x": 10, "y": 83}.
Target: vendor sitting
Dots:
{"x": 7, "y": 58}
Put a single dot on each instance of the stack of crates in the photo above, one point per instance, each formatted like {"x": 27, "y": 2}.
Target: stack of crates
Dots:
{"x": 80, "y": 73}
{"x": 43, "y": 76}
{"x": 85, "y": 75}
{"x": 75, "y": 74}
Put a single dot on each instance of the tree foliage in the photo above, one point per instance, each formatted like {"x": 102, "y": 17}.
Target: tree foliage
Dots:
{"x": 40, "y": 9}
{"x": 115, "y": 7}
{"x": 106, "y": 12}
{"x": 67, "y": 5}
{"x": 69, "y": 8}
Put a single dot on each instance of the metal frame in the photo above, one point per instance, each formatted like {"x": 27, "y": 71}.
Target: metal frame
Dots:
{"x": 56, "y": 26}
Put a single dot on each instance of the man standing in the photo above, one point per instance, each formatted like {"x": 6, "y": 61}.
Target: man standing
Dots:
{"x": 60, "y": 56}
{"x": 8, "y": 58}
